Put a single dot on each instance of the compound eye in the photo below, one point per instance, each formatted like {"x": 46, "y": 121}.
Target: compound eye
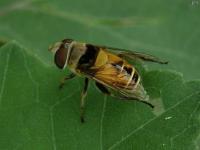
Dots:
{"x": 60, "y": 57}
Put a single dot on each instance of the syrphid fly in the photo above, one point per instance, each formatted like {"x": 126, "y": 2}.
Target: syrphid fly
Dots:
{"x": 108, "y": 67}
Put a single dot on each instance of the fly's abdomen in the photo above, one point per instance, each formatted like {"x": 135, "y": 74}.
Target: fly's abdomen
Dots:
{"x": 127, "y": 74}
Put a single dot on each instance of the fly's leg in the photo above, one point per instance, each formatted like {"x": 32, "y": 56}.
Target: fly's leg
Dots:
{"x": 82, "y": 104}
{"x": 103, "y": 89}
{"x": 63, "y": 80}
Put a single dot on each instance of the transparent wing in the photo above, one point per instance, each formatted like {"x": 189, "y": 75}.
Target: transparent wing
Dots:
{"x": 133, "y": 54}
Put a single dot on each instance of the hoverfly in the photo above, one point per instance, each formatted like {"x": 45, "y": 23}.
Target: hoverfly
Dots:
{"x": 107, "y": 66}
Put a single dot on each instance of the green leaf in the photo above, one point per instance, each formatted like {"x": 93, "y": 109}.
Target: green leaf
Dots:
{"x": 36, "y": 115}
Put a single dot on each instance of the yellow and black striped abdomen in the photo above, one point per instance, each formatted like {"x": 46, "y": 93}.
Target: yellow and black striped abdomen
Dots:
{"x": 116, "y": 72}
{"x": 127, "y": 74}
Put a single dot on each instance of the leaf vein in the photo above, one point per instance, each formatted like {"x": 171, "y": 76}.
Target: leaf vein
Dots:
{"x": 52, "y": 130}
{"x": 101, "y": 122}
{"x": 4, "y": 75}
{"x": 187, "y": 128}
{"x": 35, "y": 83}
{"x": 149, "y": 121}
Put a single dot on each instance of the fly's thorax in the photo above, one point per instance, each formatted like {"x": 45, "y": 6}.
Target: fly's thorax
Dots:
{"x": 86, "y": 60}
{"x": 101, "y": 59}
{"x": 77, "y": 51}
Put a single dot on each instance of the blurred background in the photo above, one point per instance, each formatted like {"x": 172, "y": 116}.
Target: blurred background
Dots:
{"x": 168, "y": 29}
